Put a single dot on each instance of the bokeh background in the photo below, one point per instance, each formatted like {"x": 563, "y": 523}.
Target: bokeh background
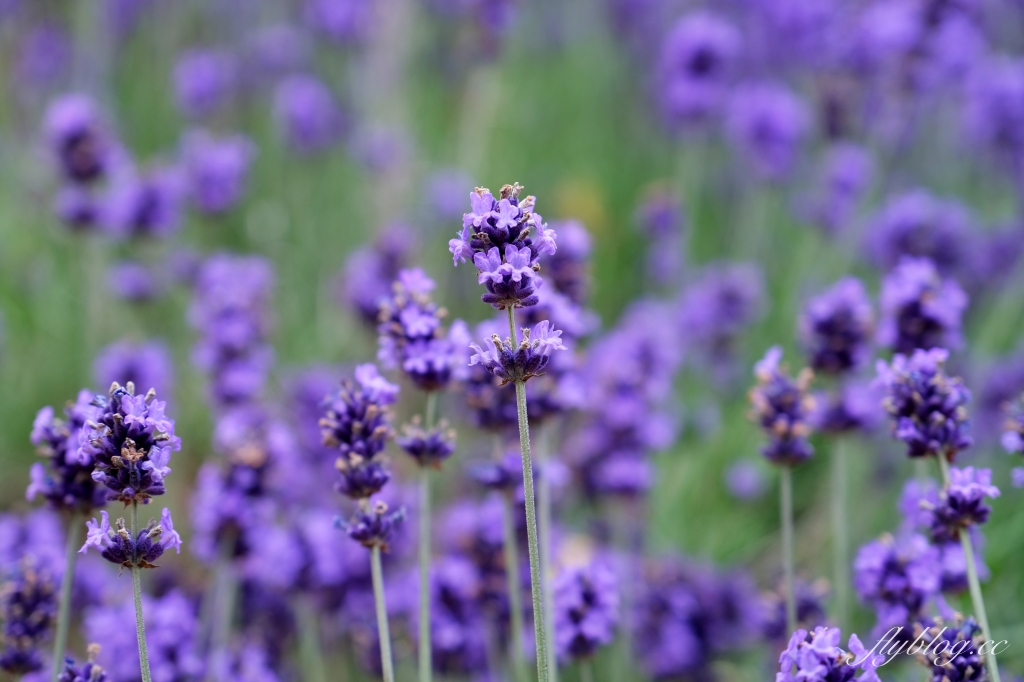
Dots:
{"x": 806, "y": 140}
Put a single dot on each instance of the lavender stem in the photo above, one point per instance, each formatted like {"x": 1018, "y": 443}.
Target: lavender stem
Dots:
{"x": 60, "y": 640}
{"x": 140, "y": 626}
{"x": 425, "y": 662}
{"x": 383, "y": 633}
{"x": 840, "y": 536}
{"x": 309, "y": 639}
{"x": 586, "y": 670}
{"x": 972, "y": 582}
{"x": 536, "y": 588}
{"x": 515, "y": 605}
{"x": 786, "y": 497}
{"x": 544, "y": 527}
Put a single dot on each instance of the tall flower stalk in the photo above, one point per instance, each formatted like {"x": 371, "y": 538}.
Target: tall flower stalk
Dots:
{"x": 782, "y": 405}
{"x": 505, "y": 239}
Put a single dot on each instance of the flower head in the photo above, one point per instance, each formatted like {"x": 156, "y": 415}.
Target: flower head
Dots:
{"x": 698, "y": 57}
{"x": 216, "y": 169}
{"x": 65, "y": 481}
{"x": 430, "y": 448}
{"x": 898, "y": 577}
{"x": 816, "y": 657}
{"x": 961, "y": 505}
{"x": 78, "y": 139}
{"x": 117, "y": 545}
{"x": 203, "y": 81}
{"x": 28, "y": 604}
{"x": 307, "y": 114}
{"x": 927, "y": 407}
{"x": 130, "y": 442}
{"x": 513, "y": 363}
{"x": 836, "y": 328}
{"x": 586, "y": 603}
{"x": 372, "y": 527}
{"x": 920, "y": 309}
{"x": 370, "y": 272}
{"x": 496, "y": 233}
{"x": 782, "y": 406}
{"x": 87, "y": 672}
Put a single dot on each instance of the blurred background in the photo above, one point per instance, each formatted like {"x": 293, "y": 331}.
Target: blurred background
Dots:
{"x": 717, "y": 165}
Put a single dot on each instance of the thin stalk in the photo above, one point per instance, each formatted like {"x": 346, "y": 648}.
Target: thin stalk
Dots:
{"x": 60, "y": 640}
{"x": 382, "y": 615}
{"x": 973, "y": 583}
{"x": 840, "y": 532}
{"x": 586, "y": 670}
{"x": 536, "y": 588}
{"x": 515, "y": 604}
{"x": 786, "y": 497}
{"x": 425, "y": 662}
{"x": 309, "y": 640}
{"x": 224, "y": 611}
{"x": 140, "y": 626}
{"x": 544, "y": 528}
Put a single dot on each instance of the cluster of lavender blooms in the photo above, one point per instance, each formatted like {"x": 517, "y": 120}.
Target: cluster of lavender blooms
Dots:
{"x": 783, "y": 407}
{"x": 28, "y": 604}
{"x": 65, "y": 481}
{"x": 817, "y": 656}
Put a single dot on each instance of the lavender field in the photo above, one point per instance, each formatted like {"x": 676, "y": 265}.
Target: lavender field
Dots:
{"x": 512, "y": 340}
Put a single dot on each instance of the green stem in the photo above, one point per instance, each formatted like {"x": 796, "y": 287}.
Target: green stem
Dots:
{"x": 515, "y": 605}
{"x": 586, "y": 670}
{"x": 60, "y": 640}
{"x": 309, "y": 640}
{"x": 426, "y": 666}
{"x": 544, "y": 528}
{"x": 140, "y": 626}
{"x": 425, "y": 662}
{"x": 382, "y": 615}
{"x": 840, "y": 536}
{"x": 536, "y": 588}
{"x": 973, "y": 583}
{"x": 786, "y": 498}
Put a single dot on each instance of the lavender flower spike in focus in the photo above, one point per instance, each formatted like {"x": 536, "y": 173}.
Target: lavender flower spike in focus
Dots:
{"x": 496, "y": 233}
{"x": 816, "y": 657}
{"x": 783, "y": 406}
{"x": 505, "y": 239}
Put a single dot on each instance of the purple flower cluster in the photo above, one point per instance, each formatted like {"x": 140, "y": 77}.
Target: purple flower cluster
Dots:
{"x": 411, "y": 335}
{"x": 118, "y": 546}
{"x": 927, "y": 407}
{"x": 766, "y": 124}
{"x": 512, "y": 362}
{"x": 230, "y": 309}
{"x": 899, "y": 578}
{"x": 917, "y": 224}
{"x": 586, "y": 603}
{"x": 696, "y": 67}
{"x": 78, "y": 139}
{"x": 65, "y": 481}
{"x": 782, "y": 406}
{"x": 366, "y": 280}
{"x": 307, "y": 114}
{"x": 216, "y": 169}
{"x": 816, "y": 657}
{"x": 846, "y": 172}
{"x": 953, "y": 653}
{"x": 919, "y": 308}
{"x": 28, "y": 605}
{"x": 429, "y": 448}
{"x": 836, "y": 328}
{"x": 373, "y": 526}
{"x": 130, "y": 442}
{"x": 458, "y": 630}
{"x": 357, "y": 423}
{"x": 496, "y": 233}
{"x": 87, "y": 672}
{"x": 961, "y": 505}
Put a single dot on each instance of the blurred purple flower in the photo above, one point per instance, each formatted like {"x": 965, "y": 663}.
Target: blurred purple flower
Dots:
{"x": 845, "y": 175}
{"x": 782, "y": 407}
{"x": 994, "y": 109}
{"x": 216, "y": 169}
{"x": 144, "y": 205}
{"x": 134, "y": 281}
{"x": 43, "y": 56}
{"x": 899, "y": 578}
{"x": 307, "y": 113}
{"x": 28, "y": 604}
{"x": 919, "y": 308}
{"x": 78, "y": 139}
{"x": 918, "y": 224}
{"x": 65, "y": 481}
{"x": 585, "y": 600}
{"x": 275, "y": 51}
{"x": 458, "y": 629}
{"x": 342, "y": 21}
{"x": 767, "y": 123}
{"x": 446, "y": 188}
{"x": 836, "y": 328}
{"x": 567, "y": 269}
{"x": 854, "y": 406}
{"x": 961, "y": 504}
{"x": 724, "y": 300}
{"x": 745, "y": 481}
{"x": 365, "y": 281}
{"x": 204, "y": 80}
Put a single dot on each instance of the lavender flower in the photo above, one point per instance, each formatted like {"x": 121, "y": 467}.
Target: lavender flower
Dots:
{"x": 816, "y": 657}
{"x": 496, "y": 233}
{"x": 928, "y": 408}
{"x": 919, "y": 309}
{"x": 87, "y": 672}
{"x": 953, "y": 653}
{"x": 917, "y": 224}
{"x": 898, "y": 578}
{"x": 810, "y": 609}
{"x": 216, "y": 169}
{"x": 511, "y": 363}
{"x": 78, "y": 139}
{"x": 307, "y": 114}
{"x": 505, "y": 474}
{"x": 342, "y": 21}
{"x": 130, "y": 442}
{"x": 782, "y": 407}
{"x": 1013, "y": 436}
{"x": 144, "y": 364}
{"x": 369, "y": 272}
{"x": 134, "y": 281}
{"x": 458, "y": 643}
{"x": 429, "y": 448}
{"x": 845, "y": 174}
{"x": 78, "y": 207}
{"x": 836, "y": 328}
{"x": 144, "y": 205}
{"x": 767, "y": 123}
{"x": 28, "y": 604}
{"x": 231, "y": 310}
{"x": 411, "y": 335}
{"x": 697, "y": 61}
{"x": 567, "y": 267}
{"x": 994, "y": 105}
{"x": 357, "y": 423}
{"x": 65, "y": 481}
{"x": 491, "y": 406}
{"x": 961, "y": 504}
{"x": 719, "y": 306}
{"x": 119, "y": 547}
{"x": 745, "y": 481}
{"x": 585, "y": 602}
{"x": 372, "y": 527}
{"x": 203, "y": 81}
